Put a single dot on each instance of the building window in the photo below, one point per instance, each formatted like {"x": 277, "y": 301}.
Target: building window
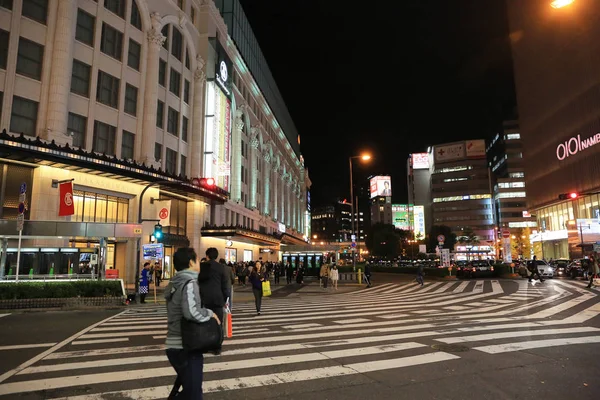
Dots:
{"x": 180, "y": 4}
{"x": 184, "y": 129}
{"x": 186, "y": 91}
{"x": 77, "y": 127}
{"x": 177, "y": 44}
{"x": 157, "y": 151}
{"x": 513, "y": 136}
{"x": 30, "y": 59}
{"x": 116, "y": 6}
{"x": 24, "y": 116}
{"x": 162, "y": 72}
{"x": 193, "y": 14}
{"x": 85, "y": 27}
{"x": 136, "y": 19}
{"x": 182, "y": 166}
{"x": 187, "y": 59}
{"x": 4, "y": 38}
{"x": 80, "y": 78}
{"x": 101, "y": 208}
{"x": 160, "y": 112}
{"x": 171, "y": 161}
{"x": 175, "y": 82}
{"x": 104, "y": 138}
{"x": 112, "y": 42}
{"x": 165, "y": 33}
{"x": 131, "y": 95}
{"x": 6, "y": 4}
{"x": 173, "y": 122}
{"x": 37, "y": 10}
{"x": 108, "y": 90}
{"x": 134, "y": 54}
{"x": 127, "y": 145}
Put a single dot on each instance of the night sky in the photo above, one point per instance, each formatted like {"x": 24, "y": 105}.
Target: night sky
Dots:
{"x": 388, "y": 77}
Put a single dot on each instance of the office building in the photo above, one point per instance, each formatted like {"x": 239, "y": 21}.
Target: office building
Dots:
{"x": 419, "y": 168}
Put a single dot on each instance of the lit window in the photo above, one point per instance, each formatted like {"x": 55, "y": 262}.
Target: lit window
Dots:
{"x": 513, "y": 136}
{"x": 510, "y": 195}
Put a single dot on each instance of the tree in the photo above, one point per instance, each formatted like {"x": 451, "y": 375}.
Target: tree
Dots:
{"x": 468, "y": 238}
{"x": 383, "y": 240}
{"x": 521, "y": 244}
{"x": 436, "y": 230}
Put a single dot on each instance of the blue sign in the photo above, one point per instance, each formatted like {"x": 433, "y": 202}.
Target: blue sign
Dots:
{"x": 353, "y": 244}
{"x": 21, "y": 208}
{"x": 23, "y": 188}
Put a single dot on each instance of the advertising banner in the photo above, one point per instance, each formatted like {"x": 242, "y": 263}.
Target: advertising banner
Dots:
{"x": 420, "y": 160}
{"x": 223, "y": 70}
{"x": 401, "y": 217}
{"x": 449, "y": 152}
{"x": 506, "y": 250}
{"x": 475, "y": 148}
{"x": 419, "y": 222}
{"x": 381, "y": 186}
{"x": 163, "y": 212}
{"x": 67, "y": 206}
{"x": 217, "y": 141}
{"x": 422, "y": 248}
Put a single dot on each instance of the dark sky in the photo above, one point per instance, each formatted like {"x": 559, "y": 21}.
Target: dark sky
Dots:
{"x": 387, "y": 77}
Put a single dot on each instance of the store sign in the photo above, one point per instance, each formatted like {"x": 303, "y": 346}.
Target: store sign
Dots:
{"x": 401, "y": 217}
{"x": 381, "y": 186}
{"x": 419, "y": 222}
{"x": 420, "y": 160}
{"x": 574, "y": 145}
{"x": 475, "y": 148}
{"x": 223, "y": 70}
{"x": 449, "y": 152}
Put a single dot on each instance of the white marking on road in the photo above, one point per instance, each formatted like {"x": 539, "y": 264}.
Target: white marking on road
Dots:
{"x": 392, "y": 316}
{"x": 300, "y": 326}
{"x": 582, "y": 316}
{"x": 159, "y": 337}
{"x": 120, "y": 334}
{"x": 456, "y": 308}
{"x": 500, "y": 301}
{"x": 127, "y": 328}
{"x": 517, "y": 334}
{"x": 351, "y": 321}
{"x": 478, "y": 287}
{"x": 103, "y": 352}
{"x": 537, "y": 344}
{"x": 97, "y": 341}
{"x": 4, "y": 315}
{"x": 26, "y": 346}
{"x": 461, "y": 288}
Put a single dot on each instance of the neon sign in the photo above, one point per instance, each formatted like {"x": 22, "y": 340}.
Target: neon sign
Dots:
{"x": 574, "y": 145}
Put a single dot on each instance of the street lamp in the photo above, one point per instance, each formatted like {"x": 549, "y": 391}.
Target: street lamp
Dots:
{"x": 363, "y": 157}
{"x": 561, "y": 3}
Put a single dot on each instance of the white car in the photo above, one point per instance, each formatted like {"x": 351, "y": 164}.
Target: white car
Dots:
{"x": 545, "y": 270}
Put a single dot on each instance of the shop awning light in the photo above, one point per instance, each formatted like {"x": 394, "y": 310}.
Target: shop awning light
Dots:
{"x": 561, "y": 3}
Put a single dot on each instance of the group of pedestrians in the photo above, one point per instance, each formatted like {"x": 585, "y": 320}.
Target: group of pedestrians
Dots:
{"x": 329, "y": 272}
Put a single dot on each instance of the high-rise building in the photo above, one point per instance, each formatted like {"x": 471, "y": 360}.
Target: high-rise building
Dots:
{"x": 555, "y": 55}
{"x": 419, "y": 167}
{"x": 380, "y": 189}
{"x": 332, "y": 223}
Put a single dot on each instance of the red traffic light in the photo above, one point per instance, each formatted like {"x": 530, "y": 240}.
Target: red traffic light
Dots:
{"x": 573, "y": 195}
{"x": 207, "y": 183}
{"x": 568, "y": 196}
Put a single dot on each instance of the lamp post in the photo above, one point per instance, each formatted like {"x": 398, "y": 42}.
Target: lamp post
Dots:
{"x": 364, "y": 157}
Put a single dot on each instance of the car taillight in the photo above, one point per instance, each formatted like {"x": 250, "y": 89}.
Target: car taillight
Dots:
{"x": 492, "y": 268}
{"x": 474, "y": 269}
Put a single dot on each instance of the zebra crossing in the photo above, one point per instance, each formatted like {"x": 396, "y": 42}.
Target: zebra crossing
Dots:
{"x": 315, "y": 337}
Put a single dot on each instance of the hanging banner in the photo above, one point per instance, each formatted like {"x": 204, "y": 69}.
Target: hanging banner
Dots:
{"x": 506, "y": 250}
{"x": 67, "y": 206}
{"x": 163, "y": 212}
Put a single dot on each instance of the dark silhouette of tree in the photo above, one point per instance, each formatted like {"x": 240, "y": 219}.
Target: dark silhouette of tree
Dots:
{"x": 437, "y": 230}
{"x": 383, "y": 240}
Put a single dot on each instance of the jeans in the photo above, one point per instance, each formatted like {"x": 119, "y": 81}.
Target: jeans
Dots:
{"x": 189, "y": 368}
{"x": 257, "y": 298}
{"x": 324, "y": 279}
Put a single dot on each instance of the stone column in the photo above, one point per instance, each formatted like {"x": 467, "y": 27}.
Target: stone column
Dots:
{"x": 253, "y": 166}
{"x": 155, "y": 42}
{"x": 267, "y": 182}
{"x": 275, "y": 192}
{"x": 60, "y": 78}
{"x": 282, "y": 205}
{"x": 236, "y": 155}
{"x": 197, "y": 169}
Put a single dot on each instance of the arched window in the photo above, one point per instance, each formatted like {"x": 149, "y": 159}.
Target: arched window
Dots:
{"x": 136, "y": 18}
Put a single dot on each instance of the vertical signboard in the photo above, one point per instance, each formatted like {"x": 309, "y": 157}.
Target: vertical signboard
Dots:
{"x": 420, "y": 160}
{"x": 401, "y": 217}
{"x": 419, "y": 222}
{"x": 506, "y": 250}
{"x": 475, "y": 148}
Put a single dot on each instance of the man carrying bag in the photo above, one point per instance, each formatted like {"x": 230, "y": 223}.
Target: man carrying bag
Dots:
{"x": 192, "y": 330}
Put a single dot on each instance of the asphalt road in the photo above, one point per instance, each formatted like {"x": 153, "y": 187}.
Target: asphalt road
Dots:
{"x": 483, "y": 339}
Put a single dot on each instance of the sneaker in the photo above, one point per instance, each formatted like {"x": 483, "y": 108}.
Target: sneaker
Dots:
{"x": 259, "y": 313}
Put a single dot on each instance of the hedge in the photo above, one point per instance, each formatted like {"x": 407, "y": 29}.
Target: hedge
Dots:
{"x": 44, "y": 290}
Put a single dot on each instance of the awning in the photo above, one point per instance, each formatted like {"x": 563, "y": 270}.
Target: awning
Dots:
{"x": 69, "y": 230}
{"x": 37, "y": 152}
{"x": 241, "y": 235}
{"x": 286, "y": 238}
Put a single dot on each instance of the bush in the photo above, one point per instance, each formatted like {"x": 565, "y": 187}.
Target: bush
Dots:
{"x": 44, "y": 290}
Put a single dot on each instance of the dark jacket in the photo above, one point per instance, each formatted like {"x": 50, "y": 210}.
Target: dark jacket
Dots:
{"x": 255, "y": 279}
{"x": 214, "y": 281}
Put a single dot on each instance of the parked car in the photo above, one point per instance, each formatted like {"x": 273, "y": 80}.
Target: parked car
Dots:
{"x": 560, "y": 267}
{"x": 463, "y": 270}
{"x": 578, "y": 268}
{"x": 481, "y": 268}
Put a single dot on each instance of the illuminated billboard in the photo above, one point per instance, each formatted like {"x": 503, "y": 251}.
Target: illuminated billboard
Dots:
{"x": 420, "y": 160}
{"x": 401, "y": 217}
{"x": 217, "y": 140}
{"x": 419, "y": 222}
{"x": 381, "y": 186}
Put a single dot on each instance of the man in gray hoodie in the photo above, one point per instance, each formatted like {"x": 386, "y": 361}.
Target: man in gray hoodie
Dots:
{"x": 183, "y": 301}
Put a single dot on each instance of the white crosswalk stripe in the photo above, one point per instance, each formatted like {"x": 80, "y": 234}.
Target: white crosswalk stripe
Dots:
{"x": 308, "y": 338}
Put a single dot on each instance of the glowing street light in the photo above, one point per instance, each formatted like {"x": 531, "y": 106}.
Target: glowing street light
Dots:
{"x": 561, "y": 3}
{"x": 365, "y": 157}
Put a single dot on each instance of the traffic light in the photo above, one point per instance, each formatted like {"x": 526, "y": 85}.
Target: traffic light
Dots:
{"x": 206, "y": 183}
{"x": 568, "y": 196}
{"x": 158, "y": 233}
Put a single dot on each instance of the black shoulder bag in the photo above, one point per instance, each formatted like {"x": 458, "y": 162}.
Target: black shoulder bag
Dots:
{"x": 202, "y": 337}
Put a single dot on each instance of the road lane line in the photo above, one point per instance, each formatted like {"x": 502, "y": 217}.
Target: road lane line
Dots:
{"x": 537, "y": 344}
{"x": 103, "y": 352}
{"x": 517, "y": 334}
{"x": 26, "y": 346}
{"x": 98, "y": 341}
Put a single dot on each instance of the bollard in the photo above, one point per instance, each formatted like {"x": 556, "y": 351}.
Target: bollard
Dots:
{"x": 359, "y": 276}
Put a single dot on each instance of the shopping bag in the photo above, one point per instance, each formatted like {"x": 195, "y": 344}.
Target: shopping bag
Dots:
{"x": 266, "y": 288}
{"x": 227, "y": 321}
{"x": 596, "y": 281}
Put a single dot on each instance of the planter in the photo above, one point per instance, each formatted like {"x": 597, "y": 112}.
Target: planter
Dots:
{"x": 16, "y": 304}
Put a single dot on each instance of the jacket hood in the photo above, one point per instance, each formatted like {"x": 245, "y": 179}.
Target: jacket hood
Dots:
{"x": 179, "y": 280}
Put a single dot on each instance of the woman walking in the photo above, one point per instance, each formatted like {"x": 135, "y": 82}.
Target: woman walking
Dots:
{"x": 256, "y": 279}
{"x": 335, "y": 276}
{"x": 144, "y": 282}
{"x": 593, "y": 271}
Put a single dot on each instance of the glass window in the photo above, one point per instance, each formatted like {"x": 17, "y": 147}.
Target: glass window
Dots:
{"x": 173, "y": 122}
{"x": 136, "y": 19}
{"x": 101, "y": 208}
{"x": 80, "y": 78}
{"x": 104, "y": 138}
{"x": 134, "y": 54}
{"x": 193, "y": 13}
{"x": 30, "y": 59}
{"x": 157, "y": 151}
{"x": 171, "y": 161}
{"x": 131, "y": 95}
{"x": 162, "y": 72}
{"x": 37, "y": 10}
{"x": 116, "y": 6}
{"x": 160, "y": 112}
{"x": 4, "y": 39}
{"x": 165, "y": 33}
{"x": 89, "y": 207}
{"x": 175, "y": 82}
{"x": 186, "y": 91}
{"x": 112, "y": 42}
{"x": 6, "y": 4}
{"x": 24, "y": 116}
{"x": 108, "y": 89}
{"x": 85, "y": 27}
{"x": 182, "y": 166}
{"x": 184, "y": 128}
{"x": 177, "y": 44}
{"x": 127, "y": 145}
{"x": 77, "y": 127}
{"x": 187, "y": 59}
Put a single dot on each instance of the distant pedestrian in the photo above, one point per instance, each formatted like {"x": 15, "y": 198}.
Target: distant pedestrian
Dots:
{"x": 300, "y": 273}
{"x": 157, "y": 274}
{"x": 256, "y": 280}
{"x": 420, "y": 274}
{"x": 334, "y": 274}
{"x": 289, "y": 272}
{"x": 144, "y": 282}
{"x": 368, "y": 274}
{"x": 324, "y": 274}
{"x": 593, "y": 271}
{"x": 533, "y": 268}
{"x": 277, "y": 272}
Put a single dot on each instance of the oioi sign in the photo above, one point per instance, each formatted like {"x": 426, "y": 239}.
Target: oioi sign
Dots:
{"x": 574, "y": 145}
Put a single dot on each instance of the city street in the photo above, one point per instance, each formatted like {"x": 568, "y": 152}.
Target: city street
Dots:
{"x": 491, "y": 339}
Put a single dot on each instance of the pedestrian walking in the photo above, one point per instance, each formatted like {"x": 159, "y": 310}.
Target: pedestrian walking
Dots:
{"x": 183, "y": 301}
{"x": 157, "y": 274}
{"x": 214, "y": 282}
{"x": 420, "y": 274}
{"x": 324, "y": 274}
{"x": 144, "y": 282}
{"x": 334, "y": 274}
{"x": 368, "y": 274}
{"x": 277, "y": 272}
{"x": 534, "y": 270}
{"x": 593, "y": 271}
{"x": 300, "y": 273}
{"x": 289, "y": 272}
{"x": 256, "y": 281}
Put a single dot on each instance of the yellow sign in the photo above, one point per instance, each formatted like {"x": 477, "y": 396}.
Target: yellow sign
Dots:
{"x": 137, "y": 231}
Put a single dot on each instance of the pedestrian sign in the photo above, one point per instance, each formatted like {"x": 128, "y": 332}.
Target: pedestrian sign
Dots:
{"x": 353, "y": 245}
{"x": 23, "y": 188}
